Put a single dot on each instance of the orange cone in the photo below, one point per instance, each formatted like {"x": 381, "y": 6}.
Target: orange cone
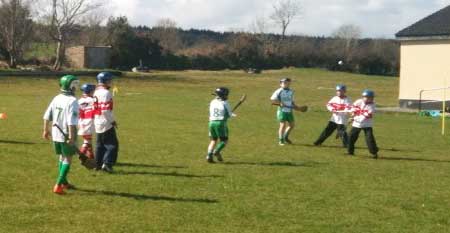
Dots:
{"x": 3, "y": 116}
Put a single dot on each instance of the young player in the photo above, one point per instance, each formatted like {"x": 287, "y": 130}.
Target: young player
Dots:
{"x": 340, "y": 106}
{"x": 107, "y": 144}
{"x": 219, "y": 113}
{"x": 363, "y": 111}
{"x": 63, "y": 112}
{"x": 284, "y": 99}
{"x": 86, "y": 119}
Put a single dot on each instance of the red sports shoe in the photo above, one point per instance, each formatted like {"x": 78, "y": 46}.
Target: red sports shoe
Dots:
{"x": 58, "y": 189}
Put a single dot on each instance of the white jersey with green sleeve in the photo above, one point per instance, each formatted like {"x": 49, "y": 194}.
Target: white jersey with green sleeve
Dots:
{"x": 62, "y": 111}
{"x": 286, "y": 97}
{"x": 219, "y": 110}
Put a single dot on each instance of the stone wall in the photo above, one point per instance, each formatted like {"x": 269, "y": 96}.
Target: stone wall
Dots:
{"x": 75, "y": 57}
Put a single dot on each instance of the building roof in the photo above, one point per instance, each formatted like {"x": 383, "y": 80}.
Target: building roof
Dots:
{"x": 435, "y": 25}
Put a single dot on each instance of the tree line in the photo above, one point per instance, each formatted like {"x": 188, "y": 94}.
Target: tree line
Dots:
{"x": 166, "y": 46}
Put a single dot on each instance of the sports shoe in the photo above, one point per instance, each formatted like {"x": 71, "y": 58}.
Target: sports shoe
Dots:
{"x": 107, "y": 168}
{"x": 281, "y": 144}
{"x": 218, "y": 156}
{"x": 288, "y": 141}
{"x": 58, "y": 189}
{"x": 375, "y": 156}
{"x": 209, "y": 159}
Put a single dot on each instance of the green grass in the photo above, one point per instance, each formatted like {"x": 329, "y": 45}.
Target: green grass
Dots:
{"x": 164, "y": 184}
{"x": 41, "y": 51}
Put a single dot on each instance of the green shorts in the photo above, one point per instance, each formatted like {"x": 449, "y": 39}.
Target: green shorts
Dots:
{"x": 218, "y": 130}
{"x": 285, "y": 116}
{"x": 64, "y": 149}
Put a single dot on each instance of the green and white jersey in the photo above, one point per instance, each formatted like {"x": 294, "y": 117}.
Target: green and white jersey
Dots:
{"x": 62, "y": 111}
{"x": 219, "y": 110}
{"x": 286, "y": 97}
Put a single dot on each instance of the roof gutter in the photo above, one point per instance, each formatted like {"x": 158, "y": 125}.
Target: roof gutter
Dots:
{"x": 419, "y": 38}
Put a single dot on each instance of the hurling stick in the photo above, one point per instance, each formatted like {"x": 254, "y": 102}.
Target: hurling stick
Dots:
{"x": 241, "y": 101}
{"x": 83, "y": 158}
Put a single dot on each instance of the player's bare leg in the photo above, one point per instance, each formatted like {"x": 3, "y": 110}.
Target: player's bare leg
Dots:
{"x": 287, "y": 132}
{"x": 211, "y": 147}
{"x": 281, "y": 133}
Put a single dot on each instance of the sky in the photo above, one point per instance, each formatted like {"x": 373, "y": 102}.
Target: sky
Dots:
{"x": 376, "y": 18}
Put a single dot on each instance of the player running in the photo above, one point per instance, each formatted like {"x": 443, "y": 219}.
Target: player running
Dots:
{"x": 63, "y": 113}
{"x": 284, "y": 99}
{"x": 107, "y": 144}
{"x": 340, "y": 106}
{"x": 86, "y": 120}
{"x": 363, "y": 111}
{"x": 219, "y": 113}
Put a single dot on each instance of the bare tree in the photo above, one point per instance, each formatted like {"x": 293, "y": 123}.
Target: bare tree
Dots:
{"x": 166, "y": 23}
{"x": 166, "y": 32}
{"x": 348, "y": 31}
{"x": 93, "y": 32}
{"x": 349, "y": 35}
{"x": 286, "y": 11}
{"x": 64, "y": 16}
{"x": 15, "y": 28}
{"x": 259, "y": 25}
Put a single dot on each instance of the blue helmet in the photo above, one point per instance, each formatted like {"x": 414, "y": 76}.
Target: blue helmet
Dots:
{"x": 104, "y": 77}
{"x": 368, "y": 93}
{"x": 341, "y": 87}
{"x": 87, "y": 88}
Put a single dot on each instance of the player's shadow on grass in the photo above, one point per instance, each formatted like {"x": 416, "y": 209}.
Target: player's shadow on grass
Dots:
{"x": 144, "y": 197}
{"x": 274, "y": 164}
{"x": 173, "y": 174}
{"x": 148, "y": 165}
{"x": 18, "y": 142}
{"x": 341, "y": 147}
{"x": 413, "y": 159}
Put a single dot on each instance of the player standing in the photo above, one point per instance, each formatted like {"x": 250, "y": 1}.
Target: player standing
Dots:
{"x": 219, "y": 113}
{"x": 284, "y": 99}
{"x": 340, "y": 106}
{"x": 363, "y": 113}
{"x": 63, "y": 113}
{"x": 107, "y": 144}
{"x": 86, "y": 119}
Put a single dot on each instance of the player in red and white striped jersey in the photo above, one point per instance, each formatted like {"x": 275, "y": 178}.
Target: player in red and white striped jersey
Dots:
{"x": 340, "y": 106}
{"x": 363, "y": 111}
{"x": 86, "y": 118}
{"x": 107, "y": 144}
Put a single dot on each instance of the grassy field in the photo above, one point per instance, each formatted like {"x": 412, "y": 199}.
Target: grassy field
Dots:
{"x": 163, "y": 184}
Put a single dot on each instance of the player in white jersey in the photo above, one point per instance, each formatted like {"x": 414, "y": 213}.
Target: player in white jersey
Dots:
{"x": 63, "y": 113}
{"x": 219, "y": 113}
{"x": 107, "y": 144}
{"x": 86, "y": 119}
{"x": 284, "y": 99}
{"x": 363, "y": 111}
{"x": 340, "y": 107}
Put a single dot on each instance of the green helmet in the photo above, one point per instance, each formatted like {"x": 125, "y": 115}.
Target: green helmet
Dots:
{"x": 68, "y": 84}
